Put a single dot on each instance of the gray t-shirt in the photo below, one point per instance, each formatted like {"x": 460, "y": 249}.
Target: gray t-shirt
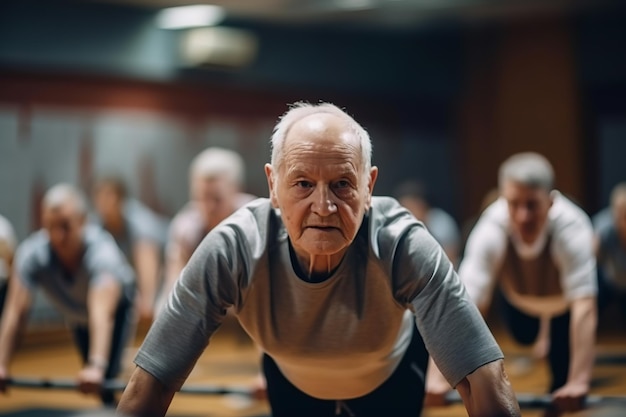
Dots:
{"x": 37, "y": 265}
{"x": 337, "y": 339}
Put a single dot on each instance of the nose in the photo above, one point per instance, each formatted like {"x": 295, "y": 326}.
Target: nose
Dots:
{"x": 523, "y": 215}
{"x": 323, "y": 203}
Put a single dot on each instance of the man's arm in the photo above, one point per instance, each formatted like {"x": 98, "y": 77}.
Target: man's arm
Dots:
{"x": 146, "y": 260}
{"x": 583, "y": 322}
{"x": 145, "y": 396}
{"x": 487, "y": 392}
{"x": 102, "y": 301}
{"x": 176, "y": 258}
{"x": 13, "y": 320}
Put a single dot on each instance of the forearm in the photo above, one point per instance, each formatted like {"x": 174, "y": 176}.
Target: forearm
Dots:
{"x": 487, "y": 392}
{"x": 101, "y": 304}
{"x": 146, "y": 256}
{"x": 583, "y": 323}
{"x": 144, "y": 396}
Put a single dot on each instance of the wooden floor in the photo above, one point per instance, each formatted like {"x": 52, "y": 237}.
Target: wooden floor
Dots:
{"x": 232, "y": 359}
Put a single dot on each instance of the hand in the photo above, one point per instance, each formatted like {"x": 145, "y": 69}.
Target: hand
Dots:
{"x": 90, "y": 379}
{"x": 436, "y": 394}
{"x": 4, "y": 379}
{"x": 259, "y": 388}
{"x": 570, "y": 397}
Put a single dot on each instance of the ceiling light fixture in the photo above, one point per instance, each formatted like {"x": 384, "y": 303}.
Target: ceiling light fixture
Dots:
{"x": 190, "y": 16}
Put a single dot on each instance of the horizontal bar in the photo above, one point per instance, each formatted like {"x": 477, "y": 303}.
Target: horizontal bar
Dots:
{"x": 117, "y": 385}
{"x": 527, "y": 400}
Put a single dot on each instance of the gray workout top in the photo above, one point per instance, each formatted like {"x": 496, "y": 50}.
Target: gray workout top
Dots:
{"x": 37, "y": 265}
{"x": 337, "y": 339}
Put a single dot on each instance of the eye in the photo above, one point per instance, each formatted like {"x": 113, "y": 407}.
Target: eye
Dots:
{"x": 304, "y": 184}
{"x": 342, "y": 184}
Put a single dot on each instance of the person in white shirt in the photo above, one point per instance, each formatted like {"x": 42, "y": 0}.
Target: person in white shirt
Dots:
{"x": 536, "y": 246}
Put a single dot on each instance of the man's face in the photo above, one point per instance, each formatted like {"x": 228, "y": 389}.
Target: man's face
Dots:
{"x": 65, "y": 229}
{"x": 320, "y": 187}
{"x": 107, "y": 203}
{"x": 216, "y": 198}
{"x": 528, "y": 209}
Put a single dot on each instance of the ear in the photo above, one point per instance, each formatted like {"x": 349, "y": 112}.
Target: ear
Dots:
{"x": 269, "y": 173}
{"x": 370, "y": 186}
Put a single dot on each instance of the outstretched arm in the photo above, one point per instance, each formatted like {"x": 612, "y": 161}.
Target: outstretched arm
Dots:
{"x": 582, "y": 341}
{"x": 102, "y": 301}
{"x": 487, "y": 392}
{"x": 145, "y": 396}
{"x": 146, "y": 260}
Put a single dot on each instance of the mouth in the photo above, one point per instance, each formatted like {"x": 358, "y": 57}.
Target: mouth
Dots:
{"x": 323, "y": 228}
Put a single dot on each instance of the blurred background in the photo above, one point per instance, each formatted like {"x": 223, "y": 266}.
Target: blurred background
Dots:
{"x": 447, "y": 89}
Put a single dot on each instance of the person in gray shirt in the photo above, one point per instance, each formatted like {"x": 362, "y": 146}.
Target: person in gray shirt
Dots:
{"x": 84, "y": 274}
{"x": 346, "y": 294}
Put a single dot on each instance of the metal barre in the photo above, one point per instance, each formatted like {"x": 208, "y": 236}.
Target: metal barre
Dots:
{"x": 527, "y": 400}
{"x": 117, "y": 385}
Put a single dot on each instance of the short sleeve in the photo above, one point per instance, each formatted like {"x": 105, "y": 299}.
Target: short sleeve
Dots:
{"x": 453, "y": 330}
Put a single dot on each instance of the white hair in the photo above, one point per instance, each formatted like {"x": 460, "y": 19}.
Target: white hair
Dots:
{"x": 218, "y": 162}
{"x": 299, "y": 111}
{"x": 527, "y": 168}
{"x": 63, "y": 193}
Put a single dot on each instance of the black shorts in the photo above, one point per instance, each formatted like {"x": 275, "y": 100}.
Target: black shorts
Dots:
{"x": 401, "y": 395}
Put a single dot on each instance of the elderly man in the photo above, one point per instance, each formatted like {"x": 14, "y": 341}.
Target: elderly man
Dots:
{"x": 537, "y": 247}
{"x": 216, "y": 179}
{"x": 343, "y": 292}
{"x": 84, "y": 274}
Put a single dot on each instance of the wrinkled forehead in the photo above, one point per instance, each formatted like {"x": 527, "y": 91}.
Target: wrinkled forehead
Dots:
{"x": 324, "y": 134}
{"x": 61, "y": 212}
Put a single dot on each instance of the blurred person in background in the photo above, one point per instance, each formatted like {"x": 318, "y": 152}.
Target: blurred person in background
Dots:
{"x": 216, "y": 182}
{"x": 139, "y": 234}
{"x": 536, "y": 246}
{"x": 8, "y": 242}
{"x": 414, "y": 196}
{"x": 85, "y": 276}
{"x": 611, "y": 252}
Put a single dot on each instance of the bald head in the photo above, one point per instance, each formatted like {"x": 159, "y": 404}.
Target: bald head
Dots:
{"x": 63, "y": 217}
{"x": 65, "y": 195}
{"x": 529, "y": 169}
{"x": 321, "y": 121}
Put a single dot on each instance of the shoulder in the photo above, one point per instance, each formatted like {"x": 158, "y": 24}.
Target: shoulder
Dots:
{"x": 100, "y": 244}
{"x": 34, "y": 251}
{"x": 565, "y": 215}
{"x": 389, "y": 223}
{"x": 494, "y": 221}
{"x": 255, "y": 217}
